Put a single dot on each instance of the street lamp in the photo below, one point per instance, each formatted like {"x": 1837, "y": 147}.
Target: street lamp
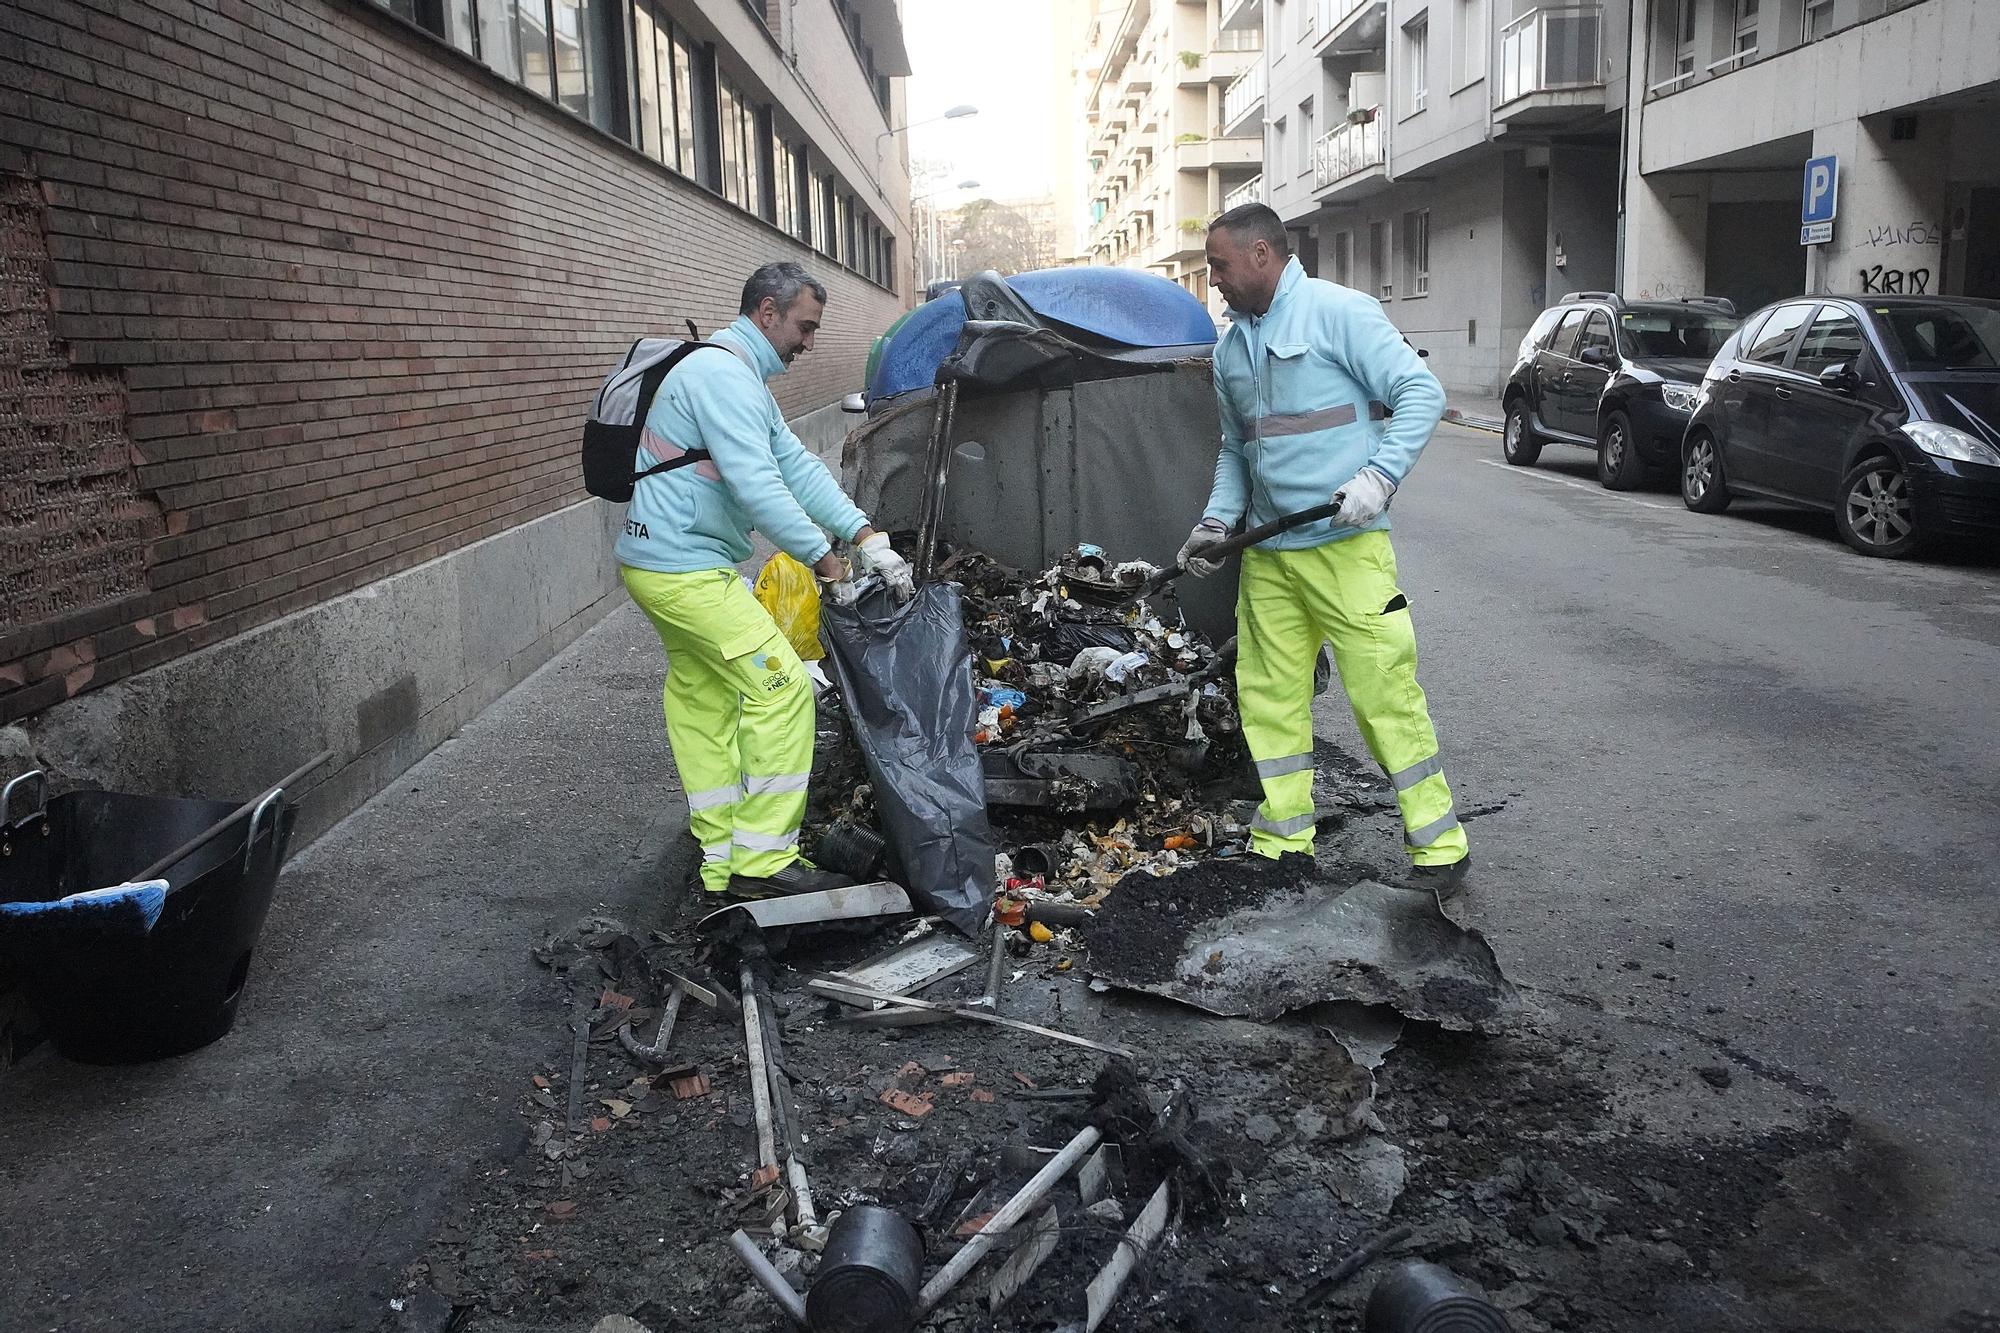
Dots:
{"x": 958, "y": 112}
{"x": 929, "y": 230}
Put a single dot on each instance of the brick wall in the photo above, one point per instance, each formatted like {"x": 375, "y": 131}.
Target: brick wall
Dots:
{"x": 355, "y": 293}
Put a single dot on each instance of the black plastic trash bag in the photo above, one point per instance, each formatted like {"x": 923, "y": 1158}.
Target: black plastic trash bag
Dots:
{"x": 905, "y": 674}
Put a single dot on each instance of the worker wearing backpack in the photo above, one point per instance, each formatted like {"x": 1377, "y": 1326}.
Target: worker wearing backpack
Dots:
{"x": 739, "y": 708}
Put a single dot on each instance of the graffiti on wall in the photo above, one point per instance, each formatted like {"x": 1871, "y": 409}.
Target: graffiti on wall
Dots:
{"x": 1903, "y": 233}
{"x": 1896, "y": 281}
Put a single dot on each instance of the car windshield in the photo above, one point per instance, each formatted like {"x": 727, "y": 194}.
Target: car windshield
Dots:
{"x": 1691, "y": 332}
{"x": 1943, "y": 337}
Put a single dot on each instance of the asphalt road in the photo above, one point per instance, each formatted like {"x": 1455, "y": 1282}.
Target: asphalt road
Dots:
{"x": 1733, "y": 733}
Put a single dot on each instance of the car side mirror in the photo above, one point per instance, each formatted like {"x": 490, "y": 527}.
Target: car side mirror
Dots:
{"x": 1840, "y": 378}
{"x": 1596, "y": 356}
{"x": 854, "y": 402}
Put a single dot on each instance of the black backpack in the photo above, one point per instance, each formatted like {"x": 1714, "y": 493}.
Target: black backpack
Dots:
{"x": 618, "y": 417}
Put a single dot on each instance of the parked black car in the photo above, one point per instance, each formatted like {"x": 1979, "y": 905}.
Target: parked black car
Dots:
{"x": 1885, "y": 410}
{"x": 1612, "y": 375}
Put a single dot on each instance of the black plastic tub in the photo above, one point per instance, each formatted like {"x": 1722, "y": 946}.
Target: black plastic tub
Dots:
{"x": 106, "y": 995}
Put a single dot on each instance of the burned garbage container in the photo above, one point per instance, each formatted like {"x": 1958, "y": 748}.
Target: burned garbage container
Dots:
{"x": 114, "y": 987}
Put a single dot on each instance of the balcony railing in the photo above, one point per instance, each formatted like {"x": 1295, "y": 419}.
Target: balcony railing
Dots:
{"x": 1244, "y": 93}
{"x": 1330, "y": 14}
{"x": 1249, "y": 192}
{"x": 1551, "y": 48}
{"x": 1240, "y": 39}
{"x": 1346, "y": 149}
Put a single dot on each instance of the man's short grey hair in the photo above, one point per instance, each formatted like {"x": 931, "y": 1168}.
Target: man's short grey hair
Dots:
{"x": 1255, "y": 222}
{"x": 782, "y": 282}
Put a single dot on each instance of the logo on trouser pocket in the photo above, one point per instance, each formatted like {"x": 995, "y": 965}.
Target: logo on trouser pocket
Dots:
{"x": 779, "y": 677}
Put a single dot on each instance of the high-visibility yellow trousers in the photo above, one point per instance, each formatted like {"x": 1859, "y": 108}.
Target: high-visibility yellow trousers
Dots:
{"x": 739, "y": 719}
{"x": 1343, "y": 592}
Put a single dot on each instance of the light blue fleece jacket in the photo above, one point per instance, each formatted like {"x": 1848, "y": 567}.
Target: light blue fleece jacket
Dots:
{"x": 1303, "y": 390}
{"x": 760, "y": 476}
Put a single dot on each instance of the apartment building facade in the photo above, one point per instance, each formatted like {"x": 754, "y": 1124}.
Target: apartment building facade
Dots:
{"x": 305, "y": 301}
{"x": 1457, "y": 159}
{"x": 1160, "y": 159}
{"x": 1729, "y": 101}
{"x": 1468, "y": 161}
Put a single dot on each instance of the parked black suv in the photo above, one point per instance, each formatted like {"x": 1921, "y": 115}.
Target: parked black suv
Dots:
{"x": 1612, "y": 375}
{"x": 1884, "y": 409}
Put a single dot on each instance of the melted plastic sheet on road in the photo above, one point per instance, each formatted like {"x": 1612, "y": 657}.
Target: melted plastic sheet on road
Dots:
{"x": 1294, "y": 943}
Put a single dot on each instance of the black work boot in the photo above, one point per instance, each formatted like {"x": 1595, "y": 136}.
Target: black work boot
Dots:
{"x": 798, "y": 877}
{"x": 1447, "y": 881}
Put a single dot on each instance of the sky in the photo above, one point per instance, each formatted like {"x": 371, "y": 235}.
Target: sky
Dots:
{"x": 999, "y": 56}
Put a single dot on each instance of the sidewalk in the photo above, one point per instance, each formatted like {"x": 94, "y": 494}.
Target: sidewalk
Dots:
{"x": 1477, "y": 412}
{"x": 281, "y": 1177}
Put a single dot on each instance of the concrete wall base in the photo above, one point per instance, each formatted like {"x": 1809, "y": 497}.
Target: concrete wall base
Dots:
{"x": 379, "y": 676}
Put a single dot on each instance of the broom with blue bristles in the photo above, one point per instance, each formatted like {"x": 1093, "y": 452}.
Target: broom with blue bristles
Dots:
{"x": 134, "y": 907}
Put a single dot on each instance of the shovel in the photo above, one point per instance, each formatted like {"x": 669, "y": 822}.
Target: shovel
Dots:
{"x": 1231, "y": 545}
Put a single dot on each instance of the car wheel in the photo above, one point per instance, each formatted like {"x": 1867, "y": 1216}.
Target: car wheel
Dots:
{"x": 1619, "y": 466}
{"x": 1518, "y": 443}
{"x": 1702, "y": 487}
{"x": 1875, "y": 514}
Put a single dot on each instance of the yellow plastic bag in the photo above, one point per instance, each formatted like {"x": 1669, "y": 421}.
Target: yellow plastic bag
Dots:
{"x": 788, "y": 590}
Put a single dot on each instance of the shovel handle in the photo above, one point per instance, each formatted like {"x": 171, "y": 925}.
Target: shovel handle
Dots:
{"x": 1242, "y": 541}
{"x": 1263, "y": 532}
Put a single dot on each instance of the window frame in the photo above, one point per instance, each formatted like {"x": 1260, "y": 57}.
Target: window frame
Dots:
{"x": 1466, "y": 72}
{"x": 1748, "y": 356}
{"x": 1416, "y": 64}
{"x": 1416, "y": 250}
{"x": 1834, "y": 314}
{"x": 1574, "y": 319}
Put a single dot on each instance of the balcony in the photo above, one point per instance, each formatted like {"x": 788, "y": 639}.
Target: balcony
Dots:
{"x": 1202, "y": 154}
{"x": 1349, "y": 27}
{"x": 1243, "y": 99}
{"x": 1551, "y": 66}
{"x": 1249, "y": 192}
{"x": 1351, "y": 156}
{"x": 1240, "y": 14}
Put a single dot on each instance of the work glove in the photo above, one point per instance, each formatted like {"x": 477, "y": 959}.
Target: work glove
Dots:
{"x": 843, "y": 592}
{"x": 1363, "y": 498}
{"x": 1206, "y": 533}
{"x": 878, "y": 557}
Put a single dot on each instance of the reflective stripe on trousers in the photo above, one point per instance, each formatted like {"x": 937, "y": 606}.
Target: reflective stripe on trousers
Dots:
{"x": 1287, "y": 604}
{"x": 739, "y": 719}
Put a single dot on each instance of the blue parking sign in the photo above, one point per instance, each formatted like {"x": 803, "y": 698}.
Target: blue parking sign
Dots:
{"x": 1822, "y": 191}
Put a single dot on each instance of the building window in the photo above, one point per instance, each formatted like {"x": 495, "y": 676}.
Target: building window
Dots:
{"x": 746, "y": 135}
{"x": 1416, "y": 63}
{"x": 1277, "y": 153}
{"x": 1816, "y": 19}
{"x": 1378, "y": 261}
{"x": 1343, "y": 258}
{"x": 572, "y": 64}
{"x": 531, "y": 27}
{"x": 1746, "y": 28}
{"x": 497, "y": 46}
{"x": 1417, "y": 253}
{"x": 1305, "y": 136}
{"x": 1684, "y": 38}
{"x": 1469, "y": 40}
